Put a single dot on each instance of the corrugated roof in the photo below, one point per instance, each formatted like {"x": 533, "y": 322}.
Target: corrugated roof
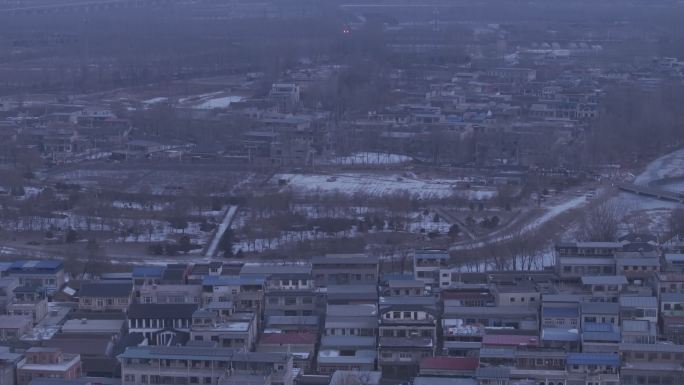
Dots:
{"x": 450, "y": 363}
{"x": 558, "y": 334}
{"x": 563, "y": 312}
{"x": 607, "y": 359}
{"x": 510, "y": 340}
{"x": 148, "y": 271}
{"x": 302, "y": 338}
{"x": 600, "y": 308}
{"x": 215, "y": 280}
{"x": 161, "y": 310}
{"x": 108, "y": 289}
{"x": 638, "y": 301}
{"x": 604, "y": 280}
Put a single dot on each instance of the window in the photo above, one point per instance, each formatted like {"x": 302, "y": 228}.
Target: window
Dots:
{"x": 307, "y": 300}
{"x": 290, "y": 301}
{"x": 396, "y": 314}
{"x": 512, "y": 299}
{"x": 207, "y": 380}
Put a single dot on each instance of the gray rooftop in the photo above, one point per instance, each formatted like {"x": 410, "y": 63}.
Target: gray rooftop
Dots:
{"x": 362, "y": 310}
{"x": 661, "y": 347}
{"x": 559, "y": 334}
{"x": 604, "y": 280}
{"x": 334, "y": 259}
{"x": 638, "y": 301}
{"x": 266, "y": 269}
{"x": 672, "y": 297}
{"x": 600, "y": 308}
{"x": 494, "y": 311}
{"x": 328, "y": 342}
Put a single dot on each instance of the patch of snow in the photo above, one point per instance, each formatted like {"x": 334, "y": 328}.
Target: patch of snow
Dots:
{"x": 670, "y": 165}
{"x": 156, "y": 100}
{"x": 374, "y": 185}
{"x": 370, "y": 158}
{"x": 222, "y": 102}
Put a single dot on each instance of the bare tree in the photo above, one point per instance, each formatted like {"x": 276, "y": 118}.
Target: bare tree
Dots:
{"x": 676, "y": 223}
{"x": 602, "y": 222}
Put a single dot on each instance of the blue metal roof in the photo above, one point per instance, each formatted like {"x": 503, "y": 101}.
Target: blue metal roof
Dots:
{"x": 33, "y": 265}
{"x": 606, "y": 359}
{"x": 559, "y": 334}
{"x": 597, "y": 327}
{"x": 563, "y": 312}
{"x": 398, "y": 277}
{"x": 147, "y": 271}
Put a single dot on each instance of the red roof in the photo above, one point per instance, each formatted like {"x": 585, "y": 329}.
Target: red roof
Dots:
{"x": 449, "y": 363}
{"x": 510, "y": 340}
{"x": 304, "y": 338}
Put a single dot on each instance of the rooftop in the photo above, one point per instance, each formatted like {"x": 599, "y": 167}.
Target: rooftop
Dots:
{"x": 604, "y": 280}
{"x": 638, "y": 301}
{"x": 159, "y": 311}
{"x": 361, "y": 310}
{"x": 600, "y": 308}
{"x": 302, "y": 338}
{"x": 509, "y": 340}
{"x": 607, "y": 359}
{"x": 93, "y": 326}
{"x": 200, "y": 353}
{"x": 450, "y": 363}
{"x": 109, "y": 289}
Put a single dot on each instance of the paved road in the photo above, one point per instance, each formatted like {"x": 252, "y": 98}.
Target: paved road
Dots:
{"x": 453, "y": 219}
{"x": 225, "y": 224}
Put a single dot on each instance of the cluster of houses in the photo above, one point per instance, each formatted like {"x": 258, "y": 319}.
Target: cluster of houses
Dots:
{"x": 607, "y": 313}
{"x": 509, "y": 115}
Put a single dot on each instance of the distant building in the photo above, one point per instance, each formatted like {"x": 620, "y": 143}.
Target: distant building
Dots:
{"x": 202, "y": 365}
{"x": 340, "y": 269}
{"x": 98, "y": 296}
{"x": 47, "y": 274}
{"x": 47, "y": 362}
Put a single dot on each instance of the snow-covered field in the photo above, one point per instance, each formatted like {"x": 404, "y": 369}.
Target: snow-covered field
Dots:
{"x": 374, "y": 185}
{"x": 370, "y": 158}
{"x": 557, "y": 210}
{"x": 667, "y": 166}
{"x": 157, "y": 100}
{"x": 221, "y": 102}
{"x": 650, "y": 214}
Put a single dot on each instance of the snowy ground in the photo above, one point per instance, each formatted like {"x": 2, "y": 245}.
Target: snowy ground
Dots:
{"x": 555, "y": 211}
{"x": 650, "y": 214}
{"x": 221, "y": 102}
{"x": 369, "y": 158}
{"x": 667, "y": 166}
{"x": 375, "y": 185}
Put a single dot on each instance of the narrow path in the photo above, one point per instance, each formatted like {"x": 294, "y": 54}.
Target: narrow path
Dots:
{"x": 225, "y": 224}
{"x": 452, "y": 219}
